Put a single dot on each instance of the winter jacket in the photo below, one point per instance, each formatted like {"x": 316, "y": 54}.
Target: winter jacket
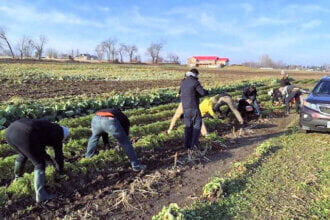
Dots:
{"x": 191, "y": 90}
{"x": 37, "y": 133}
{"x": 118, "y": 114}
{"x": 285, "y": 82}
{"x": 247, "y": 94}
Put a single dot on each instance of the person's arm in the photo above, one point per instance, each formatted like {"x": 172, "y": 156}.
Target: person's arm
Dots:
{"x": 200, "y": 90}
{"x": 254, "y": 96}
{"x": 176, "y": 116}
{"x": 244, "y": 95}
{"x": 59, "y": 158}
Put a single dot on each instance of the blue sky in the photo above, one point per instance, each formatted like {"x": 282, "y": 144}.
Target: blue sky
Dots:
{"x": 295, "y": 32}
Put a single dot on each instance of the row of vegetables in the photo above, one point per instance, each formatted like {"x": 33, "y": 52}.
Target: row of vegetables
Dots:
{"x": 147, "y": 131}
{"x": 76, "y": 107}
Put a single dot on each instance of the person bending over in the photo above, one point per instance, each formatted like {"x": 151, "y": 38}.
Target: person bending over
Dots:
{"x": 115, "y": 123}
{"x": 29, "y": 138}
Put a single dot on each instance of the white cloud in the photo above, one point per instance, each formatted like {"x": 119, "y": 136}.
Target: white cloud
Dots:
{"x": 301, "y": 8}
{"x": 262, "y": 21}
{"x": 25, "y": 14}
{"x": 311, "y": 24}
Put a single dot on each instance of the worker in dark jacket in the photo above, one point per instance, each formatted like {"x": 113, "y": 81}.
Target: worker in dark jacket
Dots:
{"x": 285, "y": 79}
{"x": 190, "y": 91}
{"x": 29, "y": 137}
{"x": 115, "y": 123}
{"x": 250, "y": 95}
{"x": 289, "y": 93}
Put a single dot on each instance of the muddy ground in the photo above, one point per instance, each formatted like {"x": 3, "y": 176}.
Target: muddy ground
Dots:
{"x": 170, "y": 177}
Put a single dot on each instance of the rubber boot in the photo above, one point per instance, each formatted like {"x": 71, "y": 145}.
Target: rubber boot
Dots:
{"x": 195, "y": 139}
{"x": 188, "y": 134}
{"x": 39, "y": 186}
{"x": 18, "y": 169}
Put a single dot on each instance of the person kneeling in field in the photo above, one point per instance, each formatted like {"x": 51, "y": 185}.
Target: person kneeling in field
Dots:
{"x": 250, "y": 95}
{"x": 245, "y": 108}
{"x": 209, "y": 106}
{"x": 115, "y": 123}
{"x": 29, "y": 137}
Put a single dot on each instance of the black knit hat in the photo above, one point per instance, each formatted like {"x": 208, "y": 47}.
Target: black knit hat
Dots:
{"x": 194, "y": 70}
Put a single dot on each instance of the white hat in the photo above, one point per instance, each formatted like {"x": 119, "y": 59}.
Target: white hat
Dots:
{"x": 65, "y": 132}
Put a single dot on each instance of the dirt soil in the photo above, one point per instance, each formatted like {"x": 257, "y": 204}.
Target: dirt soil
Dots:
{"x": 170, "y": 177}
{"x": 55, "y": 88}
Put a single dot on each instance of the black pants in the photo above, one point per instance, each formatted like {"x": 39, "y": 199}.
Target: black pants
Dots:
{"x": 27, "y": 147}
{"x": 296, "y": 95}
{"x": 193, "y": 123}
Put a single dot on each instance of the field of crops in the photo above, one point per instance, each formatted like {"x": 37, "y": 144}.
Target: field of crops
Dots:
{"x": 149, "y": 111}
{"x": 53, "y": 80}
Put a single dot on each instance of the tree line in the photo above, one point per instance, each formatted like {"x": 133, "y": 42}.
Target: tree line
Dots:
{"x": 110, "y": 50}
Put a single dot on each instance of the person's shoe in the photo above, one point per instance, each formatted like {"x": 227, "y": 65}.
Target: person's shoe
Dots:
{"x": 39, "y": 186}
{"x": 139, "y": 167}
{"x": 198, "y": 148}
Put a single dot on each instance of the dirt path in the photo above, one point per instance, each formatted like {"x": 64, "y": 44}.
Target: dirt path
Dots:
{"x": 123, "y": 194}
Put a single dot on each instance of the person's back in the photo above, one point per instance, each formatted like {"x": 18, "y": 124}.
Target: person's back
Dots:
{"x": 191, "y": 91}
{"x": 48, "y": 133}
{"x": 117, "y": 113}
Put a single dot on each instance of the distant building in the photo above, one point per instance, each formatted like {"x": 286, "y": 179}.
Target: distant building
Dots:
{"x": 86, "y": 56}
{"x": 207, "y": 61}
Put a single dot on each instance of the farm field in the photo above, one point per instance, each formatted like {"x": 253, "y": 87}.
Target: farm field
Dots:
{"x": 49, "y": 80}
{"x": 104, "y": 186}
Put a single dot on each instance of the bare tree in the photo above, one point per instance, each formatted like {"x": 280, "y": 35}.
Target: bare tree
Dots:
{"x": 108, "y": 46}
{"x": 113, "y": 50}
{"x": 99, "y": 51}
{"x": 154, "y": 51}
{"x": 3, "y": 36}
{"x": 52, "y": 53}
{"x": 28, "y": 49}
{"x": 23, "y": 46}
{"x": 136, "y": 59}
{"x": 173, "y": 58}
{"x": 77, "y": 53}
{"x": 39, "y": 45}
{"x": 121, "y": 51}
{"x": 266, "y": 61}
{"x": 131, "y": 51}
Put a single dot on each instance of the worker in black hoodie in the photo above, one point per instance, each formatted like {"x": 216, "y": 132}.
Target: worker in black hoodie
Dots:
{"x": 250, "y": 95}
{"x": 29, "y": 137}
{"x": 191, "y": 90}
{"x": 115, "y": 123}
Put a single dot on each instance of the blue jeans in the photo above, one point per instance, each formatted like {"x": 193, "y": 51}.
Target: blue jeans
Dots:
{"x": 111, "y": 126}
